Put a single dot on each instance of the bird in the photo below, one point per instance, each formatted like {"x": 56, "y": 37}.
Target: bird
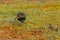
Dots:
{"x": 21, "y": 17}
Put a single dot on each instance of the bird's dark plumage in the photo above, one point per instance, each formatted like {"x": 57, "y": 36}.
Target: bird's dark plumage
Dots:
{"x": 21, "y": 17}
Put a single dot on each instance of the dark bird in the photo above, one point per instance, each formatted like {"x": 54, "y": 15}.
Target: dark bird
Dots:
{"x": 21, "y": 17}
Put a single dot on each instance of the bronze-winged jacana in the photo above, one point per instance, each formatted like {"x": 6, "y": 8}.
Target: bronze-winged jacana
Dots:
{"x": 21, "y": 17}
